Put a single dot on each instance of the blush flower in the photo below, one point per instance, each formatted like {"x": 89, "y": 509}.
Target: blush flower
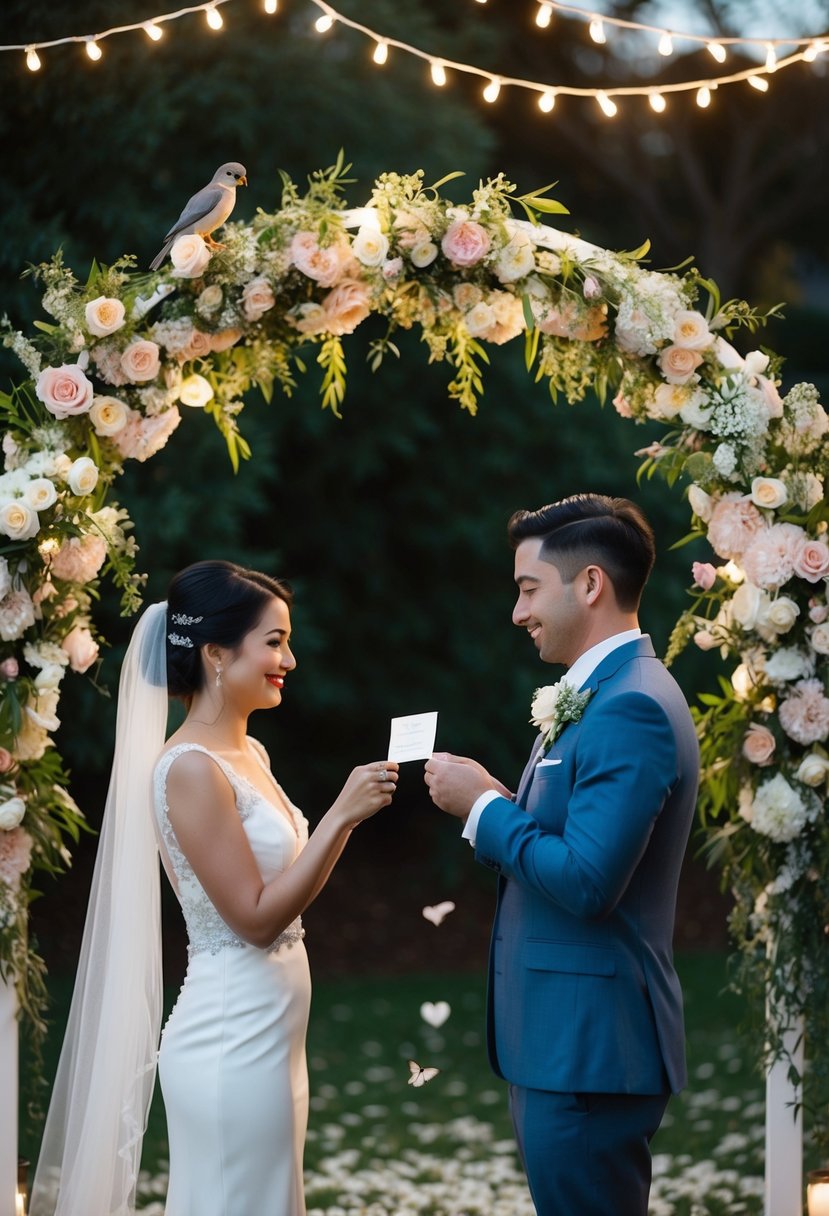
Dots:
{"x": 769, "y": 560}
{"x": 140, "y": 361}
{"x": 79, "y": 558}
{"x": 465, "y": 243}
{"x": 346, "y": 306}
{"x": 733, "y": 524}
{"x": 758, "y": 745}
{"x": 65, "y": 391}
{"x": 704, "y": 574}
{"x": 812, "y": 560}
{"x": 804, "y": 715}
{"x": 678, "y": 363}
{"x": 104, "y": 316}
{"x": 15, "y": 854}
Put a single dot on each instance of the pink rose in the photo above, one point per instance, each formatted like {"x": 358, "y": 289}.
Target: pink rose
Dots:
{"x": 804, "y": 715}
{"x": 678, "y": 363}
{"x": 324, "y": 265}
{"x": 199, "y": 345}
{"x": 622, "y": 405}
{"x": 257, "y": 298}
{"x": 818, "y": 611}
{"x": 140, "y": 361}
{"x": 812, "y": 560}
{"x": 65, "y": 391}
{"x": 81, "y": 647}
{"x": 734, "y": 522}
{"x": 9, "y": 669}
{"x": 704, "y": 574}
{"x": 465, "y": 243}
{"x": 758, "y": 744}
{"x": 6, "y": 760}
{"x": 346, "y": 306}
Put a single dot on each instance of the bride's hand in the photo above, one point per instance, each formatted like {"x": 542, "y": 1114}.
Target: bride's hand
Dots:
{"x": 368, "y": 789}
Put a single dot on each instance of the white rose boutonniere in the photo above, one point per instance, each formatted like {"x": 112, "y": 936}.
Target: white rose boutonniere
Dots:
{"x": 554, "y": 706}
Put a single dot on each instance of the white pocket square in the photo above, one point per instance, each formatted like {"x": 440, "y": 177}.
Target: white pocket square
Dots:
{"x": 548, "y": 763}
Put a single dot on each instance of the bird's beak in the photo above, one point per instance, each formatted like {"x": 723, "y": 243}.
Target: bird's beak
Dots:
{"x": 242, "y": 181}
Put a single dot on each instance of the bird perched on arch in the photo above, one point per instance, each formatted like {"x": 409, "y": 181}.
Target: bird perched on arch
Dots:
{"x": 207, "y": 210}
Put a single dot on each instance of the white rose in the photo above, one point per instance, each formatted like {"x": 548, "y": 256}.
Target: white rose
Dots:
{"x": 669, "y": 399}
{"x": 820, "y": 638}
{"x": 755, "y": 363}
{"x": 516, "y": 259}
{"x": 700, "y": 502}
{"x": 696, "y": 414}
{"x": 787, "y": 663}
{"x": 544, "y": 705}
{"x": 104, "y": 316}
{"x": 779, "y": 615}
{"x": 49, "y": 677}
{"x": 768, "y": 492}
{"x": 18, "y": 520}
{"x": 108, "y": 415}
{"x": 747, "y": 603}
{"x": 479, "y": 319}
{"x": 11, "y": 813}
{"x": 423, "y": 254}
{"x": 40, "y": 493}
{"x": 189, "y": 256}
{"x": 691, "y": 331}
{"x": 83, "y": 476}
{"x": 370, "y": 246}
{"x": 195, "y": 391}
{"x": 813, "y": 770}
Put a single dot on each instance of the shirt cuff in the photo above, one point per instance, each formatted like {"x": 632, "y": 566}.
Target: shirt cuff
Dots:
{"x": 470, "y": 830}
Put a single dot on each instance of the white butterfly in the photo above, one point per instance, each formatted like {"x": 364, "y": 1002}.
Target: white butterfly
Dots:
{"x": 419, "y": 1076}
{"x": 438, "y": 912}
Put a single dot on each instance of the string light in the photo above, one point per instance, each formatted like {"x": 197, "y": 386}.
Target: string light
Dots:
{"x": 596, "y": 28}
{"x": 381, "y": 52}
{"x": 544, "y": 16}
{"x": 93, "y": 50}
{"x": 546, "y": 101}
{"x": 704, "y": 97}
{"x": 771, "y": 58}
{"x": 606, "y": 104}
{"x": 323, "y": 24}
{"x": 666, "y": 44}
{"x": 759, "y": 83}
{"x": 271, "y": 7}
{"x": 214, "y": 18}
{"x": 32, "y": 59}
{"x": 492, "y": 90}
{"x": 438, "y": 73}
{"x": 657, "y": 102}
{"x": 153, "y": 31}
{"x": 718, "y": 51}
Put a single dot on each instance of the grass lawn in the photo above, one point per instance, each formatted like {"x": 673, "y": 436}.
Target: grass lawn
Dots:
{"x": 380, "y": 1147}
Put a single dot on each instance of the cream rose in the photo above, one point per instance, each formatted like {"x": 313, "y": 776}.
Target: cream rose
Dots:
{"x": 781, "y": 614}
{"x": 195, "y": 391}
{"x": 768, "y": 492}
{"x": 11, "y": 813}
{"x": 40, "y": 493}
{"x": 691, "y": 331}
{"x": 141, "y": 361}
{"x": 210, "y": 299}
{"x": 669, "y": 399}
{"x": 370, "y": 246}
{"x": 516, "y": 260}
{"x": 423, "y": 253}
{"x": 310, "y": 318}
{"x": 81, "y": 647}
{"x": 465, "y": 243}
{"x": 758, "y": 744}
{"x": 189, "y": 256}
{"x": 65, "y": 390}
{"x": 83, "y": 476}
{"x": 18, "y": 520}
{"x": 108, "y": 415}
{"x": 820, "y": 638}
{"x": 257, "y": 298}
{"x": 700, "y": 503}
{"x": 678, "y": 363}
{"x": 747, "y": 603}
{"x": 479, "y": 319}
{"x": 813, "y": 770}
{"x": 104, "y": 316}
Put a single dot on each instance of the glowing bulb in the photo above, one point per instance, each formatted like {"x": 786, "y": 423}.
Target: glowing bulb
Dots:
{"x": 438, "y": 73}
{"x": 771, "y": 58}
{"x": 381, "y": 52}
{"x": 718, "y": 51}
{"x": 93, "y": 50}
{"x": 271, "y": 7}
{"x": 543, "y": 16}
{"x": 546, "y": 101}
{"x": 704, "y": 97}
{"x": 596, "y": 28}
{"x": 32, "y": 59}
{"x": 153, "y": 31}
{"x": 214, "y": 18}
{"x": 811, "y": 53}
{"x": 657, "y": 101}
{"x": 492, "y": 90}
{"x": 606, "y": 104}
{"x": 759, "y": 83}
{"x": 666, "y": 44}
{"x": 323, "y": 24}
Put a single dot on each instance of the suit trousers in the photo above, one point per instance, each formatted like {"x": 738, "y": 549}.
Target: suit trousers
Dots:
{"x": 586, "y": 1154}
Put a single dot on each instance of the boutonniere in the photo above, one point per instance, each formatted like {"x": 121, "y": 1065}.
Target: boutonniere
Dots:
{"x": 554, "y": 706}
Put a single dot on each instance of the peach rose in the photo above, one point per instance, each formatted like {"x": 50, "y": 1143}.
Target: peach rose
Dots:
{"x": 199, "y": 345}
{"x": 79, "y": 558}
{"x": 257, "y": 298}
{"x": 570, "y": 321}
{"x": 758, "y": 745}
{"x": 141, "y": 361}
{"x": 189, "y": 256}
{"x": 224, "y": 339}
{"x": 81, "y": 647}
{"x": 812, "y": 560}
{"x": 465, "y": 243}
{"x": 346, "y": 306}
{"x": 104, "y": 316}
{"x": 65, "y": 390}
{"x": 678, "y": 363}
{"x": 108, "y": 415}
{"x": 323, "y": 265}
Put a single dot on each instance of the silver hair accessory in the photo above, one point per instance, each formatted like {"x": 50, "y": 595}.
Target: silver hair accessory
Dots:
{"x": 178, "y": 639}
{"x": 181, "y": 618}
{"x": 384, "y": 775}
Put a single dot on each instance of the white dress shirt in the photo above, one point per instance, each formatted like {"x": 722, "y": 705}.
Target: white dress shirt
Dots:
{"x": 577, "y": 675}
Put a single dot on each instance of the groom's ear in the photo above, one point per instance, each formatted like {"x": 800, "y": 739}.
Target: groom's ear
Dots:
{"x": 594, "y": 583}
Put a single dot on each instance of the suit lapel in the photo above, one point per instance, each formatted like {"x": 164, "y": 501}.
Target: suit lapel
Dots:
{"x": 527, "y": 775}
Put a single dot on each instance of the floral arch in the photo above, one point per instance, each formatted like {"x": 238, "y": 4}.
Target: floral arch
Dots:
{"x": 125, "y": 351}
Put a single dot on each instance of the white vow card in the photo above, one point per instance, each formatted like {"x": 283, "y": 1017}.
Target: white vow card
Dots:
{"x": 413, "y": 737}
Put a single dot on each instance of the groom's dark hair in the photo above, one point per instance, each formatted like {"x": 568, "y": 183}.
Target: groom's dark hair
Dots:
{"x": 593, "y": 530}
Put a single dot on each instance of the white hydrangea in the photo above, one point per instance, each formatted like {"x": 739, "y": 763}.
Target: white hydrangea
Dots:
{"x": 725, "y": 459}
{"x": 788, "y": 663}
{"x": 777, "y": 810}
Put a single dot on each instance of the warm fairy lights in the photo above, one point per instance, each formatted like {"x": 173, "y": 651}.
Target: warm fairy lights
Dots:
{"x": 772, "y": 54}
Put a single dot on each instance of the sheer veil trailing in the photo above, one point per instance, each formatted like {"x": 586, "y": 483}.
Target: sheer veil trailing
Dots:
{"x": 91, "y": 1148}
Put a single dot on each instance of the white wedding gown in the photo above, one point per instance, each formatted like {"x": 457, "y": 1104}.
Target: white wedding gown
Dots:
{"x": 232, "y": 1059}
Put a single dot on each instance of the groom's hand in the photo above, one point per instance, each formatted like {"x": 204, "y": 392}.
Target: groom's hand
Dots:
{"x": 455, "y": 782}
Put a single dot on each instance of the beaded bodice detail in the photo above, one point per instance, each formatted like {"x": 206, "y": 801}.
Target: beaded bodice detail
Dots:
{"x": 274, "y": 840}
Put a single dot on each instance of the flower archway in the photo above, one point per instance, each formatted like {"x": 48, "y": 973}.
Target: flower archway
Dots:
{"x": 125, "y": 352}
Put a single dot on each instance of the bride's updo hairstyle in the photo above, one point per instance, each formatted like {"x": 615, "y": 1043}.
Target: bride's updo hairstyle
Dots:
{"x": 212, "y": 601}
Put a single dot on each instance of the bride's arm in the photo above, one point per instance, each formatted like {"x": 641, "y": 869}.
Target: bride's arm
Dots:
{"x": 203, "y": 814}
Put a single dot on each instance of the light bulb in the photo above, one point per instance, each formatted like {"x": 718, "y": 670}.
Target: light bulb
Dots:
{"x": 606, "y": 104}
{"x": 596, "y": 28}
{"x": 32, "y": 59}
{"x": 704, "y": 97}
{"x": 153, "y": 31}
{"x": 811, "y": 53}
{"x": 492, "y": 90}
{"x": 214, "y": 18}
{"x": 93, "y": 50}
{"x": 759, "y": 83}
{"x": 543, "y": 16}
{"x": 323, "y": 23}
{"x": 381, "y": 52}
{"x": 438, "y": 73}
{"x": 546, "y": 101}
{"x": 657, "y": 102}
{"x": 718, "y": 51}
{"x": 666, "y": 44}
{"x": 271, "y": 7}
{"x": 771, "y": 57}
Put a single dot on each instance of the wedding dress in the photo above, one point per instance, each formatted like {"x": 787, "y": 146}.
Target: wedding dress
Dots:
{"x": 232, "y": 1059}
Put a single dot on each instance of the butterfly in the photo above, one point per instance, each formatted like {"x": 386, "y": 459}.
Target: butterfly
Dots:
{"x": 439, "y": 912}
{"x": 419, "y": 1076}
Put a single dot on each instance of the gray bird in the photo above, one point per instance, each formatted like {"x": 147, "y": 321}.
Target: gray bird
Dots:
{"x": 207, "y": 209}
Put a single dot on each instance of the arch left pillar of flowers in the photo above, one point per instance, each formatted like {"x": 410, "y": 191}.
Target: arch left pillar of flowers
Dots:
{"x": 124, "y": 352}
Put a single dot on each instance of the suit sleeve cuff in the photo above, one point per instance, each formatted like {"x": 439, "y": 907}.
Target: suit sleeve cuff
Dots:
{"x": 470, "y": 830}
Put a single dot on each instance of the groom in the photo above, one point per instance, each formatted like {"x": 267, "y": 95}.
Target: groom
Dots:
{"x": 584, "y": 1006}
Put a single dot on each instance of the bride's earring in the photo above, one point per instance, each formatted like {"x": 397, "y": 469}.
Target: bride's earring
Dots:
{"x": 218, "y": 677}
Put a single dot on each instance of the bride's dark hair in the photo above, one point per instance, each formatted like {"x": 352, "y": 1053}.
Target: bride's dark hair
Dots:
{"x": 212, "y": 601}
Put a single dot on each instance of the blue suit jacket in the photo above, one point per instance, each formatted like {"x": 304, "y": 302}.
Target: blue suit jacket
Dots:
{"x": 583, "y": 995}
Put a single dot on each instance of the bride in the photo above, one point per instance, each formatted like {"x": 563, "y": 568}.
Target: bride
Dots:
{"x": 243, "y": 867}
